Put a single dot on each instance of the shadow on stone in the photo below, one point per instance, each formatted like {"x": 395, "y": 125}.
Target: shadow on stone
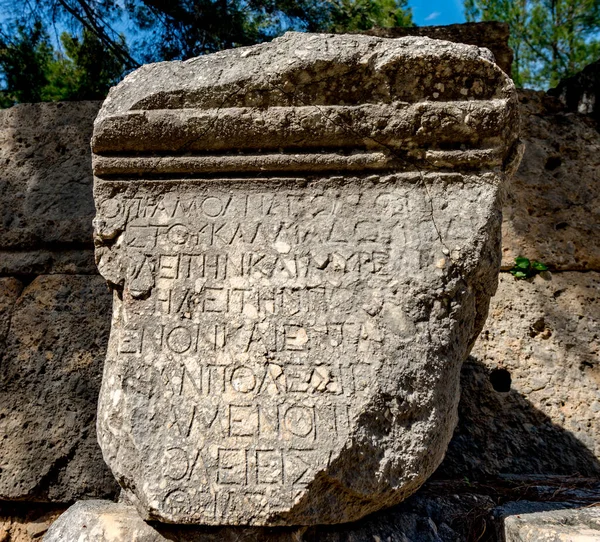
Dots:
{"x": 50, "y": 370}
{"x": 500, "y": 433}
{"x": 506, "y": 457}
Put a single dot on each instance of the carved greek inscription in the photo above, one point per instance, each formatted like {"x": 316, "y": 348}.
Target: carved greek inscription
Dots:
{"x": 261, "y": 317}
{"x": 241, "y": 466}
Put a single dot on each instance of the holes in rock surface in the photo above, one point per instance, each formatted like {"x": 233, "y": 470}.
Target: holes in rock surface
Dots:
{"x": 500, "y": 380}
{"x": 541, "y": 329}
{"x": 553, "y": 162}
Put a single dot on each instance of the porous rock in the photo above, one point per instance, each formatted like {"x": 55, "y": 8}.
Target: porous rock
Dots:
{"x": 552, "y": 208}
{"x": 493, "y": 35}
{"x": 530, "y": 401}
{"x": 46, "y": 200}
{"x": 10, "y": 289}
{"x": 582, "y": 525}
{"x": 50, "y": 368}
{"x": 302, "y": 238}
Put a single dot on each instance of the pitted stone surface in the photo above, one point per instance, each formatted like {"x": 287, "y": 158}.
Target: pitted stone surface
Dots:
{"x": 302, "y": 238}
{"x": 420, "y": 519}
{"x": 552, "y": 209}
{"x": 492, "y": 35}
{"x": 582, "y": 525}
{"x": 53, "y": 336}
{"x": 45, "y": 199}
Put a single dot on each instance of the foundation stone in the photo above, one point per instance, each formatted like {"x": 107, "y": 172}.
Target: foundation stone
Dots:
{"x": 302, "y": 238}
{"x": 582, "y": 525}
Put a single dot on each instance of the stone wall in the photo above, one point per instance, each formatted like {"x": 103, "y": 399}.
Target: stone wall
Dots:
{"x": 531, "y": 389}
{"x": 54, "y": 308}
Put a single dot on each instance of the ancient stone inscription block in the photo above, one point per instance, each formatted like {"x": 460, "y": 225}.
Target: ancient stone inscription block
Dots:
{"x": 302, "y": 238}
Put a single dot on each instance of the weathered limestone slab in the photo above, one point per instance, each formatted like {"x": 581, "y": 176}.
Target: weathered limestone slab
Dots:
{"x": 50, "y": 369}
{"x": 552, "y": 209}
{"x": 533, "y": 382}
{"x": 45, "y": 174}
{"x": 492, "y": 35}
{"x": 581, "y": 525}
{"x": 46, "y": 203}
{"x": 302, "y": 238}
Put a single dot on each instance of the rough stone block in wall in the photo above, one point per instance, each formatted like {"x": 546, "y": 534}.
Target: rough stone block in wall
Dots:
{"x": 580, "y": 92}
{"x": 54, "y": 340}
{"x": 554, "y": 526}
{"x": 302, "y": 237}
{"x": 46, "y": 203}
{"x": 552, "y": 210}
{"x": 10, "y": 288}
{"x": 530, "y": 399}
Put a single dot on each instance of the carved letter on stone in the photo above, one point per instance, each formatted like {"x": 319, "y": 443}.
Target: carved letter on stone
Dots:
{"x": 302, "y": 238}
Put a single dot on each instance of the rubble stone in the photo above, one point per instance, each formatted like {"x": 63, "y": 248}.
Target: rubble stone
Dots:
{"x": 302, "y": 238}
{"x": 423, "y": 519}
{"x": 582, "y": 525}
{"x": 26, "y": 522}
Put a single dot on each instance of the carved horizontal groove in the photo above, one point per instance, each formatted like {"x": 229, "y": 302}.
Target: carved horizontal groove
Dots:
{"x": 474, "y": 124}
{"x": 270, "y": 163}
{"x": 109, "y": 165}
{"x": 474, "y": 158}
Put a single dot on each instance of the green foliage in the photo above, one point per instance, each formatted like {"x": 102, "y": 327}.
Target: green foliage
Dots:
{"x": 34, "y": 72}
{"x": 86, "y": 71}
{"x": 92, "y": 55}
{"x": 25, "y": 55}
{"x": 186, "y": 28}
{"x": 525, "y": 268}
{"x": 551, "y": 39}
{"x": 353, "y": 15}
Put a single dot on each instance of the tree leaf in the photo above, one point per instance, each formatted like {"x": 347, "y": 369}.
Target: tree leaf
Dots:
{"x": 522, "y": 263}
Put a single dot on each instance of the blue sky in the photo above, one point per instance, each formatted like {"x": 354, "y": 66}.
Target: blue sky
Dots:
{"x": 434, "y": 12}
{"x": 425, "y": 12}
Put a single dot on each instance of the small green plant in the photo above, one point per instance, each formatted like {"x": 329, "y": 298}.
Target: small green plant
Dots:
{"x": 525, "y": 268}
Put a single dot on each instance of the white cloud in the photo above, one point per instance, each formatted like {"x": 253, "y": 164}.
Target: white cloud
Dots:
{"x": 432, "y": 16}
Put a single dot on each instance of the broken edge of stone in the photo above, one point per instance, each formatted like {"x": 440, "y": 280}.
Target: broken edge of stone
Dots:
{"x": 440, "y": 104}
{"x": 212, "y": 95}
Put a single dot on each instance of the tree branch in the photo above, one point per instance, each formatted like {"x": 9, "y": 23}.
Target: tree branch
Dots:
{"x": 91, "y": 24}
